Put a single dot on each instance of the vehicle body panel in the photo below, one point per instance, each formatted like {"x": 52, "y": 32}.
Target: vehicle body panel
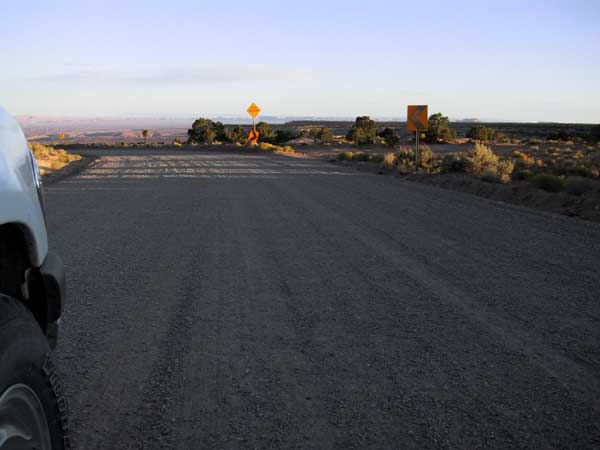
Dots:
{"x": 19, "y": 198}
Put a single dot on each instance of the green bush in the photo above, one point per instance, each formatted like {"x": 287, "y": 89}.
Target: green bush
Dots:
{"x": 547, "y": 182}
{"x": 390, "y": 137}
{"x": 322, "y": 134}
{"x": 579, "y": 185}
{"x": 378, "y": 158}
{"x": 205, "y": 131}
{"x": 481, "y": 133}
{"x": 236, "y": 134}
{"x": 439, "y": 129}
{"x": 266, "y": 132}
{"x": 363, "y": 131}
{"x": 284, "y": 135}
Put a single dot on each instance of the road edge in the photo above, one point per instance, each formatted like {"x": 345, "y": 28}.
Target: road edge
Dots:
{"x": 69, "y": 170}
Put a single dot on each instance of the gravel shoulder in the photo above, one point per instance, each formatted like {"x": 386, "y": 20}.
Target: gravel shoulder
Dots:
{"x": 234, "y": 301}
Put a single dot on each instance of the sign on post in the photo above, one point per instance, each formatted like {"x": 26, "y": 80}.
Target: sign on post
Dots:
{"x": 254, "y": 111}
{"x": 416, "y": 120}
{"x": 253, "y": 136}
{"x": 417, "y": 117}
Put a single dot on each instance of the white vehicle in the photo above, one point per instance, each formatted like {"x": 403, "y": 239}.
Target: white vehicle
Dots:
{"x": 33, "y": 410}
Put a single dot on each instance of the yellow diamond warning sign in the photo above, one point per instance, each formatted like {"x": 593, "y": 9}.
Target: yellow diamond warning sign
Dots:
{"x": 253, "y": 110}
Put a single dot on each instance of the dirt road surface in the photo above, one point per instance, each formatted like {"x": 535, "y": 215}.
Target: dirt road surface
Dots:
{"x": 223, "y": 301}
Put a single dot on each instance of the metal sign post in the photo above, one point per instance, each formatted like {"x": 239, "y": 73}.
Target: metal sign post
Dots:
{"x": 417, "y": 151}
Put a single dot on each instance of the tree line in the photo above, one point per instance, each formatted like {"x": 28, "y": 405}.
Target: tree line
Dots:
{"x": 206, "y": 131}
{"x": 364, "y": 131}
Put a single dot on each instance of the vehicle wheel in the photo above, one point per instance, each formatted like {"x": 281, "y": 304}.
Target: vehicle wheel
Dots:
{"x": 33, "y": 409}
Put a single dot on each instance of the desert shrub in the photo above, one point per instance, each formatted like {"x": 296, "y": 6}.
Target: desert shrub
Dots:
{"x": 266, "y": 132}
{"x": 491, "y": 176}
{"x": 377, "y": 158}
{"x": 362, "y": 157}
{"x": 481, "y": 158}
{"x": 481, "y": 133}
{"x": 390, "y": 137}
{"x": 346, "y": 156}
{"x": 579, "y": 185}
{"x": 522, "y": 160}
{"x": 285, "y": 135}
{"x": 235, "y": 134}
{"x": 439, "y": 129}
{"x": 501, "y": 137}
{"x": 325, "y": 135}
{"x": 454, "y": 163}
{"x": 505, "y": 169}
{"x": 389, "y": 159}
{"x": 363, "y": 131}
{"x": 205, "y": 131}
{"x": 547, "y": 182}
{"x": 425, "y": 157}
{"x": 322, "y": 134}
{"x": 405, "y": 156}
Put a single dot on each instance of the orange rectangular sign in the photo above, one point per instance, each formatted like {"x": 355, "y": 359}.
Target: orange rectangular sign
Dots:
{"x": 416, "y": 117}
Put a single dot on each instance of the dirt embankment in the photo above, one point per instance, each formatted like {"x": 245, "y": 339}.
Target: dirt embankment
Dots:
{"x": 50, "y": 159}
{"x": 56, "y": 164}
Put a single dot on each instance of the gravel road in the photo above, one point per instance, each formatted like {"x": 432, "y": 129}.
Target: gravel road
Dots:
{"x": 228, "y": 301}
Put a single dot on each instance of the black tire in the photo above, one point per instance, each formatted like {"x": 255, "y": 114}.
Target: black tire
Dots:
{"x": 26, "y": 358}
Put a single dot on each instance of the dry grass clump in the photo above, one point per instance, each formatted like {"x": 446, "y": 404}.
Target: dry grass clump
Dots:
{"x": 266, "y": 146}
{"x": 49, "y": 158}
{"x": 482, "y": 159}
{"x": 389, "y": 159}
{"x": 346, "y": 156}
{"x": 285, "y": 149}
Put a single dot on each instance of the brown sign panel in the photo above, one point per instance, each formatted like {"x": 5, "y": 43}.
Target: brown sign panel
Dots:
{"x": 416, "y": 116}
{"x": 253, "y": 136}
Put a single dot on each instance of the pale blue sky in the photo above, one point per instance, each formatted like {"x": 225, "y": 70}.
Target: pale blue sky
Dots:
{"x": 508, "y": 60}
